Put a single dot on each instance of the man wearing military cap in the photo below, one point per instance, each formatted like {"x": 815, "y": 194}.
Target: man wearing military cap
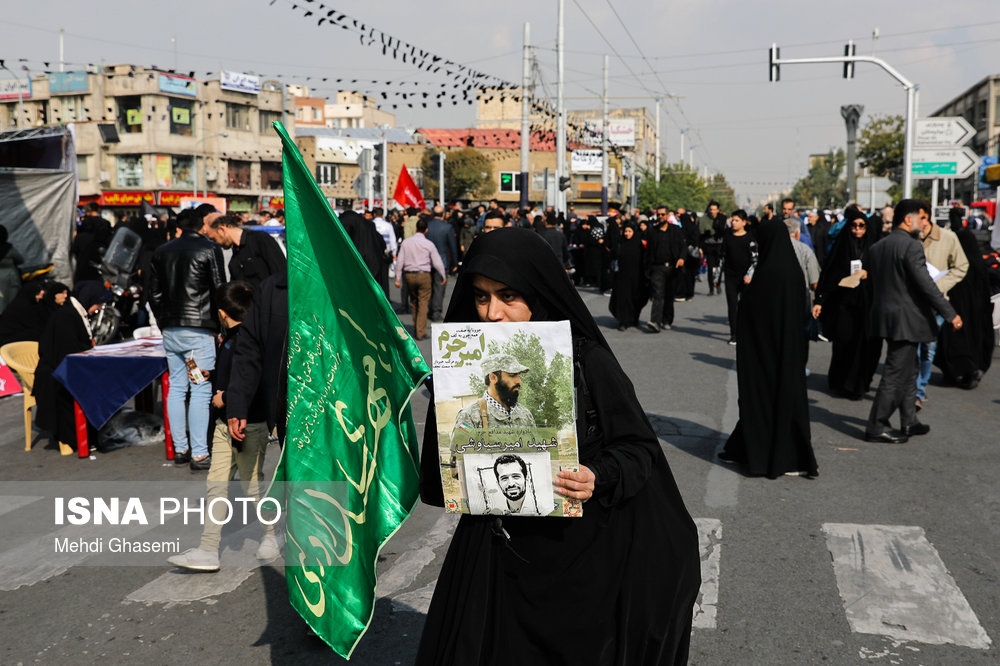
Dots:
{"x": 498, "y": 406}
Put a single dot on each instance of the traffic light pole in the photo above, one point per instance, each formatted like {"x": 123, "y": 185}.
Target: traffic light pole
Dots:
{"x": 911, "y": 99}
{"x": 441, "y": 178}
{"x": 525, "y": 184}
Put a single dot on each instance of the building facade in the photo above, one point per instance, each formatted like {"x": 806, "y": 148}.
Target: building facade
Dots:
{"x": 980, "y": 106}
{"x": 154, "y": 135}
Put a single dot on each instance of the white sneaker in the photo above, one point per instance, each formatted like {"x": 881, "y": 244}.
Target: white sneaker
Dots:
{"x": 196, "y": 559}
{"x": 268, "y": 549}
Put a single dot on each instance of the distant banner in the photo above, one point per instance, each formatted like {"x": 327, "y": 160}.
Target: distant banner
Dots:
{"x": 178, "y": 85}
{"x": 621, "y": 132}
{"x": 12, "y": 89}
{"x": 61, "y": 83}
{"x": 240, "y": 82}
{"x": 163, "y": 170}
{"x": 180, "y": 115}
{"x": 586, "y": 161}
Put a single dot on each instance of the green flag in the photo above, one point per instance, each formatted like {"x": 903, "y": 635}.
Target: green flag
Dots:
{"x": 350, "y": 459}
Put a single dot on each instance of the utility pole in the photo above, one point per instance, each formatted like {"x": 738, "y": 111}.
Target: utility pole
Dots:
{"x": 525, "y": 119}
{"x": 775, "y": 62}
{"x": 683, "y": 131}
{"x": 605, "y": 127}
{"x": 852, "y": 114}
{"x": 656, "y": 160}
{"x": 441, "y": 178}
{"x": 560, "y": 107}
{"x": 62, "y": 59}
{"x": 385, "y": 173}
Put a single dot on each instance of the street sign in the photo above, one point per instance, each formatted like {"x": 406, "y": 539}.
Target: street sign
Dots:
{"x": 944, "y": 162}
{"x": 942, "y": 132}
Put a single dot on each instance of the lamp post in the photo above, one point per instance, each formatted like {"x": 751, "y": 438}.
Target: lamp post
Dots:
{"x": 201, "y": 153}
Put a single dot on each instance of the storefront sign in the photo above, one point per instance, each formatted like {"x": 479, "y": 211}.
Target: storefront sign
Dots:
{"x": 240, "y": 82}
{"x": 585, "y": 161}
{"x": 267, "y": 202}
{"x": 178, "y": 85}
{"x": 62, "y": 83}
{"x": 172, "y": 198}
{"x": 125, "y": 198}
{"x": 12, "y": 89}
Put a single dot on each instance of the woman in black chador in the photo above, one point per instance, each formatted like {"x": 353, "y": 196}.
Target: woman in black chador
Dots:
{"x": 772, "y": 436}
{"x": 965, "y": 355}
{"x": 67, "y": 332}
{"x": 629, "y": 294}
{"x": 844, "y": 311}
{"x": 616, "y": 586}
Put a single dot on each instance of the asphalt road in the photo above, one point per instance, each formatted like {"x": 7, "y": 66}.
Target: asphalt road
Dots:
{"x": 891, "y": 555}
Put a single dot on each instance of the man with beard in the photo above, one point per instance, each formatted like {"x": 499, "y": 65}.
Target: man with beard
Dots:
{"x": 512, "y": 475}
{"x": 904, "y": 299}
{"x": 664, "y": 257}
{"x": 713, "y": 230}
{"x": 498, "y": 406}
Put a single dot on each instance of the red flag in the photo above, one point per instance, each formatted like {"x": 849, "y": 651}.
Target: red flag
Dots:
{"x": 407, "y": 193}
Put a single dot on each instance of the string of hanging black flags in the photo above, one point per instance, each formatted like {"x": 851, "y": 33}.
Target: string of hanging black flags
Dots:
{"x": 468, "y": 83}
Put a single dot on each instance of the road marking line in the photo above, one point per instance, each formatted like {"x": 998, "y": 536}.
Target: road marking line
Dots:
{"x": 710, "y": 547}
{"x": 15, "y": 502}
{"x": 893, "y": 583}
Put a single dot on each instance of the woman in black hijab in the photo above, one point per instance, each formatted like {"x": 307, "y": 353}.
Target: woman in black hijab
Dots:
{"x": 845, "y": 311}
{"x": 965, "y": 355}
{"x": 25, "y": 317}
{"x": 629, "y": 294}
{"x": 67, "y": 332}
{"x": 772, "y": 436}
{"x": 616, "y": 586}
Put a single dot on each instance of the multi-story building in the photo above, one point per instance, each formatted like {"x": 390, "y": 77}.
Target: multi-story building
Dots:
{"x": 355, "y": 110}
{"x": 980, "y": 106}
{"x": 154, "y": 135}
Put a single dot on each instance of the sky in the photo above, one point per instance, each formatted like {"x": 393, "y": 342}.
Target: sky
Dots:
{"x": 710, "y": 56}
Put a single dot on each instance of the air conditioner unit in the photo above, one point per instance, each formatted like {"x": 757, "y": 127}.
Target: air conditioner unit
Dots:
{"x": 105, "y": 177}
{"x": 211, "y": 174}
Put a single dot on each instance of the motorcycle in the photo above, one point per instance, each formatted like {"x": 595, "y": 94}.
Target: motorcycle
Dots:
{"x": 117, "y": 315}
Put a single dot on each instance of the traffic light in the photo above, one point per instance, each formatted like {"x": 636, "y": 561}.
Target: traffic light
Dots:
{"x": 849, "y": 66}
{"x": 435, "y": 163}
{"x": 378, "y": 158}
{"x": 773, "y": 70}
{"x": 564, "y": 182}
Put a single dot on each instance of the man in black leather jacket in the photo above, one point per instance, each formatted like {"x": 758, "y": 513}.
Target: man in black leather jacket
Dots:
{"x": 184, "y": 276}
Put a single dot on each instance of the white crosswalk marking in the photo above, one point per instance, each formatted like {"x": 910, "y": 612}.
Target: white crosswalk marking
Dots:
{"x": 893, "y": 583}
{"x": 709, "y": 545}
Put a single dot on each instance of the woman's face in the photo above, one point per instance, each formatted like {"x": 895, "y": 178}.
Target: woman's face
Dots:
{"x": 858, "y": 228}
{"x": 495, "y": 301}
{"x": 61, "y": 297}
{"x": 629, "y": 232}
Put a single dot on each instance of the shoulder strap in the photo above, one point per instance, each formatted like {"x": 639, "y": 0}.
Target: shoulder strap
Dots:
{"x": 482, "y": 413}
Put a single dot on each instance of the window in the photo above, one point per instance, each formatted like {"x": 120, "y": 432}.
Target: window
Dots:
{"x": 270, "y": 175}
{"x": 182, "y": 171}
{"x": 996, "y": 110}
{"x": 239, "y": 175}
{"x": 237, "y": 117}
{"x": 266, "y": 120}
{"x": 129, "y": 170}
{"x": 508, "y": 181}
{"x": 298, "y": 113}
{"x": 317, "y": 114}
{"x": 181, "y": 117}
{"x": 130, "y": 115}
{"x": 70, "y": 109}
{"x": 327, "y": 174}
{"x": 81, "y": 167}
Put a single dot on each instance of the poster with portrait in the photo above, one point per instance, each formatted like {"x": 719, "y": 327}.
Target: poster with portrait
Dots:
{"x": 506, "y": 416}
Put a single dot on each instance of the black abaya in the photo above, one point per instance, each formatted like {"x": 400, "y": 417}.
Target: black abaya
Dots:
{"x": 772, "y": 436}
{"x": 630, "y": 292}
{"x": 25, "y": 317}
{"x": 64, "y": 334}
{"x": 845, "y": 314}
{"x": 965, "y": 355}
{"x": 616, "y": 586}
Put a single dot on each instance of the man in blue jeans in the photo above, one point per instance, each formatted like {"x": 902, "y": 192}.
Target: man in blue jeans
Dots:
{"x": 184, "y": 276}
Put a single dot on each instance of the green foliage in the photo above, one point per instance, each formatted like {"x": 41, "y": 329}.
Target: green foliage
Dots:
{"x": 546, "y": 389}
{"x": 679, "y": 186}
{"x": 467, "y": 173}
{"x": 880, "y": 145}
{"x": 720, "y": 190}
{"x": 823, "y": 186}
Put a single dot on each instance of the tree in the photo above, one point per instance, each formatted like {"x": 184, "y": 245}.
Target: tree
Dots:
{"x": 723, "y": 193}
{"x": 823, "y": 186}
{"x": 467, "y": 174}
{"x": 679, "y": 186}
{"x": 881, "y": 148}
